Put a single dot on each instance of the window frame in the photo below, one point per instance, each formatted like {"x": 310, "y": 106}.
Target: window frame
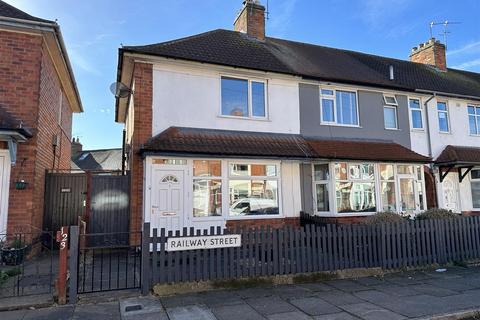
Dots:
{"x": 249, "y": 80}
{"x": 385, "y": 96}
{"x": 334, "y": 98}
{"x": 327, "y": 182}
{"x": 472, "y": 180}
{"x": 277, "y": 178}
{"x": 209, "y": 178}
{"x": 447, "y": 113}
{"x": 475, "y": 115}
{"x": 421, "y": 113}
{"x": 395, "y": 109}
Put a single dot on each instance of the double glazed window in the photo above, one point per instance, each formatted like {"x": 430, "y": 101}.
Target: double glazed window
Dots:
{"x": 475, "y": 184}
{"x": 474, "y": 119}
{"x": 243, "y": 98}
{"x": 416, "y": 114}
{"x": 387, "y": 187}
{"x": 390, "y": 112}
{"x": 321, "y": 178}
{"x": 355, "y": 187}
{"x": 207, "y": 188}
{"x": 339, "y": 107}
{"x": 442, "y": 111}
{"x": 253, "y": 189}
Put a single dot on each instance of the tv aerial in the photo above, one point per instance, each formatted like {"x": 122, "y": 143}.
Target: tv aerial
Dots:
{"x": 120, "y": 90}
{"x": 445, "y": 32}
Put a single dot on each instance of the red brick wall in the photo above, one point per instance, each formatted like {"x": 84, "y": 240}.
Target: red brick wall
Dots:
{"x": 30, "y": 90}
{"x": 432, "y": 53}
{"x": 142, "y": 131}
{"x": 257, "y": 223}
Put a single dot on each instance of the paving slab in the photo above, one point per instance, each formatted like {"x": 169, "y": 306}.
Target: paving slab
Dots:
{"x": 375, "y": 296}
{"x": 142, "y": 308}
{"x": 270, "y": 305}
{"x": 291, "y": 291}
{"x": 57, "y": 313}
{"x": 197, "y": 312}
{"x": 338, "y": 297}
{"x": 294, "y": 315}
{"x": 336, "y": 316}
{"x": 314, "y": 306}
{"x": 369, "y": 311}
{"x": 255, "y": 292}
{"x": 396, "y": 290}
{"x": 236, "y": 312}
{"x": 415, "y": 306}
{"x": 100, "y": 311}
{"x": 455, "y": 284}
{"x": 219, "y": 298}
{"x": 12, "y": 315}
{"x": 432, "y": 290}
{"x": 181, "y": 300}
{"x": 347, "y": 285}
{"x": 370, "y": 281}
{"x": 25, "y": 302}
{"x": 316, "y": 286}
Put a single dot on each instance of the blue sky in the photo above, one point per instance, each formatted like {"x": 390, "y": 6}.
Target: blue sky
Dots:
{"x": 94, "y": 30}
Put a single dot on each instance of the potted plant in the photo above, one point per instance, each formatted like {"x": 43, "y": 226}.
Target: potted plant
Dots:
{"x": 15, "y": 253}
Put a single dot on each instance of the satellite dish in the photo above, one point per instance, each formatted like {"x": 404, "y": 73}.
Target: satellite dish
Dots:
{"x": 120, "y": 90}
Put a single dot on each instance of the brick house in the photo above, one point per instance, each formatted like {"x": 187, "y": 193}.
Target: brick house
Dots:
{"x": 38, "y": 95}
{"x": 230, "y": 128}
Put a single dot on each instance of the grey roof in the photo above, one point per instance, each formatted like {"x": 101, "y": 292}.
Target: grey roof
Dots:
{"x": 97, "y": 160}
{"x": 9, "y": 11}
{"x": 310, "y": 61}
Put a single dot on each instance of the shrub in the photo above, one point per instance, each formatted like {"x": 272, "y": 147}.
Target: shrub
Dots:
{"x": 433, "y": 214}
{"x": 384, "y": 217}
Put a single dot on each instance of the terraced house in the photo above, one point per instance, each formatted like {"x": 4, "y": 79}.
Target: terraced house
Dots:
{"x": 38, "y": 95}
{"x": 230, "y": 128}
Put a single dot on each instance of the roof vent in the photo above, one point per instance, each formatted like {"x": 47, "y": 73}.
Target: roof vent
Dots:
{"x": 392, "y": 75}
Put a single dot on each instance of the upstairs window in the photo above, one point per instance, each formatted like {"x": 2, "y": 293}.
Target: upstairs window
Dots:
{"x": 442, "y": 111}
{"x": 390, "y": 117}
{"x": 243, "y": 98}
{"x": 416, "y": 114}
{"x": 390, "y": 100}
{"x": 474, "y": 119}
{"x": 339, "y": 107}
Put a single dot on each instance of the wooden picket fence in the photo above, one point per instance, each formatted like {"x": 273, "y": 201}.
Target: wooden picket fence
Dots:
{"x": 311, "y": 248}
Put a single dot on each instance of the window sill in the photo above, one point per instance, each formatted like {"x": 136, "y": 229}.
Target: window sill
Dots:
{"x": 244, "y": 118}
{"x": 444, "y": 132}
{"x": 393, "y": 129}
{"x": 474, "y": 135}
{"x": 256, "y": 217}
{"x": 339, "y": 125}
{"x": 417, "y": 130}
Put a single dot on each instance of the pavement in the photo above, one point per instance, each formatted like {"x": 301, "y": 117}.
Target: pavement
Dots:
{"x": 406, "y": 295}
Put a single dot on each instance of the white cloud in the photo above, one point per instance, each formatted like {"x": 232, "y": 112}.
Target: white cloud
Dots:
{"x": 79, "y": 61}
{"x": 378, "y": 13}
{"x": 469, "y": 48}
{"x": 468, "y": 64}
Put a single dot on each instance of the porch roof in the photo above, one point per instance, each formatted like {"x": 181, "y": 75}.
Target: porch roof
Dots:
{"x": 458, "y": 156}
{"x": 213, "y": 142}
{"x": 12, "y": 127}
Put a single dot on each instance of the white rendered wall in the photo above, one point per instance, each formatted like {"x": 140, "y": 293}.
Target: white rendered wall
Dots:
{"x": 191, "y": 97}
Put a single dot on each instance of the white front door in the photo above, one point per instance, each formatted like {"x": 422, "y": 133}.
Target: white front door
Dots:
{"x": 4, "y": 183}
{"x": 450, "y": 192}
{"x": 167, "y": 197}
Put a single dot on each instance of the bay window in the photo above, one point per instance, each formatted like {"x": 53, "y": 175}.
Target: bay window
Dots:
{"x": 321, "y": 180}
{"x": 355, "y": 187}
{"x": 338, "y": 107}
{"x": 475, "y": 185}
{"x": 253, "y": 189}
{"x": 207, "y": 188}
{"x": 243, "y": 98}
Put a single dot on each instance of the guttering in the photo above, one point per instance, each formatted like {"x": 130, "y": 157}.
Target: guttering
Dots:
{"x": 447, "y": 94}
{"x": 429, "y": 139}
{"x": 49, "y": 27}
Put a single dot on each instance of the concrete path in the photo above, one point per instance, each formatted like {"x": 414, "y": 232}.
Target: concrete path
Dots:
{"x": 408, "y": 295}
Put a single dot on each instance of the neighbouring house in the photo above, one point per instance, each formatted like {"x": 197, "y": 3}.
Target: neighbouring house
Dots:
{"x": 233, "y": 128}
{"x": 38, "y": 95}
{"x": 95, "y": 160}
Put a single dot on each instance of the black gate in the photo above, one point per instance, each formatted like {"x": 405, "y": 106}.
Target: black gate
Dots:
{"x": 27, "y": 264}
{"x": 101, "y": 198}
{"x": 108, "y": 267}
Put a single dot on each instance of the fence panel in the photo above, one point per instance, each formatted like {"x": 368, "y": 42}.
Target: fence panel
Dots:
{"x": 312, "y": 248}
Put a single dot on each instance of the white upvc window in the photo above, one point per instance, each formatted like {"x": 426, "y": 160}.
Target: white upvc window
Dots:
{"x": 390, "y": 117}
{"x": 321, "y": 187}
{"x": 338, "y": 107}
{"x": 243, "y": 98}
{"x": 474, "y": 119}
{"x": 416, "y": 113}
{"x": 253, "y": 189}
{"x": 443, "y": 118}
{"x": 207, "y": 188}
{"x": 475, "y": 186}
{"x": 390, "y": 100}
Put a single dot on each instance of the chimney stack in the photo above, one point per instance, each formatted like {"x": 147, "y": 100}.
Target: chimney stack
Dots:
{"x": 251, "y": 19}
{"x": 77, "y": 147}
{"x": 431, "y": 52}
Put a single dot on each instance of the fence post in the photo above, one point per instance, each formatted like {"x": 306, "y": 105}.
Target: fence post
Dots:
{"x": 145, "y": 278}
{"x": 62, "y": 238}
{"x": 73, "y": 264}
